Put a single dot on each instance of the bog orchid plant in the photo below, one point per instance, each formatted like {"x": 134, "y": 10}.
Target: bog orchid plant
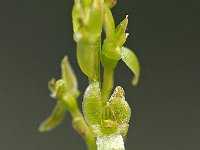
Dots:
{"x": 105, "y": 118}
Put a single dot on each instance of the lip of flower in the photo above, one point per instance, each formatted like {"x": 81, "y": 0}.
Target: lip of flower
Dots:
{"x": 115, "y": 115}
{"x": 110, "y": 142}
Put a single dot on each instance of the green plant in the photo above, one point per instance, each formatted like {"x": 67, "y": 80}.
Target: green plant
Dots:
{"x": 106, "y": 117}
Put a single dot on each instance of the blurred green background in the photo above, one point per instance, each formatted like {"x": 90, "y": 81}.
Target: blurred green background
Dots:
{"x": 165, "y": 34}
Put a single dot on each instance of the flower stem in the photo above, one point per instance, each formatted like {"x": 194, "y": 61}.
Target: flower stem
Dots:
{"x": 80, "y": 125}
{"x": 107, "y": 84}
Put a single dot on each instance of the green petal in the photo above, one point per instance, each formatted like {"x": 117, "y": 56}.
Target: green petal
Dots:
{"x": 132, "y": 62}
{"x": 54, "y": 119}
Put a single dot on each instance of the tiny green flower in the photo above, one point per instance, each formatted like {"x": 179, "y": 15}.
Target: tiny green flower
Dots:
{"x": 65, "y": 91}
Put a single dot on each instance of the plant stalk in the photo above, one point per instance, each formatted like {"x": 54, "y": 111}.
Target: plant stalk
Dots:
{"x": 81, "y": 127}
{"x": 107, "y": 84}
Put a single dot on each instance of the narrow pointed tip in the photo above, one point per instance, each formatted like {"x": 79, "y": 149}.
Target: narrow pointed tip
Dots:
{"x": 65, "y": 59}
{"x": 135, "y": 81}
{"x": 42, "y": 129}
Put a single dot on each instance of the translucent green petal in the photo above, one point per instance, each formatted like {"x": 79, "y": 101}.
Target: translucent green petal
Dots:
{"x": 132, "y": 62}
{"x": 54, "y": 119}
{"x": 92, "y": 105}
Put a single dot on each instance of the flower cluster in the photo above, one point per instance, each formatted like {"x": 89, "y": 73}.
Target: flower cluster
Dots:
{"x": 105, "y": 116}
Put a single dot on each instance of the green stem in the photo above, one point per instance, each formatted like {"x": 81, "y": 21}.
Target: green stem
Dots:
{"x": 107, "y": 84}
{"x": 82, "y": 128}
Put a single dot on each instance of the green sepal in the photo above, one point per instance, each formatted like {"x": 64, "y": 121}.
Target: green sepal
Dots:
{"x": 120, "y": 107}
{"x": 68, "y": 75}
{"x": 120, "y": 32}
{"x": 92, "y": 104}
{"x": 54, "y": 119}
{"x": 88, "y": 56}
{"x": 132, "y": 62}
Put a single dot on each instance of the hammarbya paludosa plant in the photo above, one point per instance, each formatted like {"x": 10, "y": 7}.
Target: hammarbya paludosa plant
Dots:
{"x": 105, "y": 117}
